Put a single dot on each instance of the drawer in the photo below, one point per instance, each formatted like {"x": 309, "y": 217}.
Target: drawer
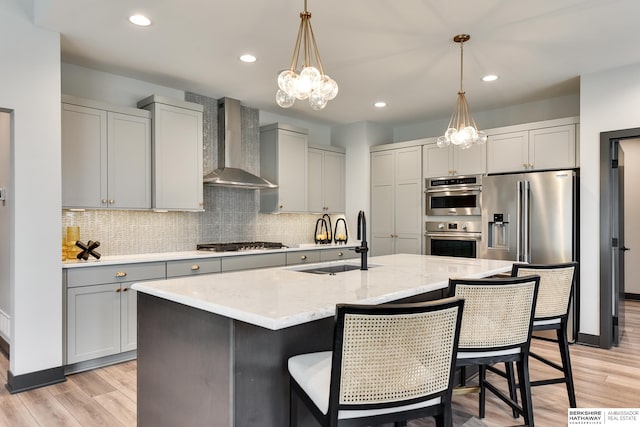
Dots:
{"x": 98, "y": 275}
{"x": 337, "y": 254}
{"x": 192, "y": 267}
{"x": 248, "y": 262}
{"x": 303, "y": 257}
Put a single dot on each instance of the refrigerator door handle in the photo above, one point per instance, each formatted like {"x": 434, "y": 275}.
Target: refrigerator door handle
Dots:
{"x": 526, "y": 247}
{"x": 519, "y": 221}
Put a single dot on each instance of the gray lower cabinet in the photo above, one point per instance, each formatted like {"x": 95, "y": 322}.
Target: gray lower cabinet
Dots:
{"x": 193, "y": 267}
{"x": 303, "y": 257}
{"x": 101, "y": 309}
{"x": 337, "y": 254}
{"x": 249, "y": 262}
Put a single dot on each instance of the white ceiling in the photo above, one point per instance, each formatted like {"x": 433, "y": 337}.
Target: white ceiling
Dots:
{"x": 397, "y": 51}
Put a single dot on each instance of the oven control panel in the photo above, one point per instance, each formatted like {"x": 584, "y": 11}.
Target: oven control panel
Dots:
{"x": 453, "y": 226}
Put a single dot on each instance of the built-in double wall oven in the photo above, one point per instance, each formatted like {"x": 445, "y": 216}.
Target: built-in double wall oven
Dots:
{"x": 459, "y": 199}
{"x": 455, "y": 195}
{"x": 453, "y": 238}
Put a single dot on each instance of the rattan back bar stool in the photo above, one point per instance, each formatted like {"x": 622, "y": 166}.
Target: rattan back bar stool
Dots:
{"x": 390, "y": 363}
{"x": 496, "y": 327}
{"x": 557, "y": 283}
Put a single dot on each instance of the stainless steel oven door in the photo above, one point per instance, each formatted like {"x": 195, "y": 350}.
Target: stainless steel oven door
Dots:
{"x": 454, "y": 202}
{"x": 447, "y": 244}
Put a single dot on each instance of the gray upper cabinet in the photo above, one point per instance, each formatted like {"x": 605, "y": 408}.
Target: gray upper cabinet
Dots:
{"x": 283, "y": 161}
{"x": 454, "y": 160}
{"x": 326, "y": 179}
{"x": 106, "y": 155}
{"x": 539, "y": 146}
{"x": 176, "y": 153}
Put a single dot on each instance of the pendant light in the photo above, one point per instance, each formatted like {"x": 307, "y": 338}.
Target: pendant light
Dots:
{"x": 305, "y": 80}
{"x": 462, "y": 130}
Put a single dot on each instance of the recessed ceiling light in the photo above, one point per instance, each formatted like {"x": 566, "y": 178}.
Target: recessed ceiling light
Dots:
{"x": 247, "y": 57}
{"x": 140, "y": 20}
{"x": 490, "y": 78}
{"x": 380, "y": 104}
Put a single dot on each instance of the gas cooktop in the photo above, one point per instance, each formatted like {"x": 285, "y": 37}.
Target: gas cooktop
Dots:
{"x": 238, "y": 246}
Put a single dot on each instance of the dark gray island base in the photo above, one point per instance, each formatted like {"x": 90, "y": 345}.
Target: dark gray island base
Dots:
{"x": 197, "y": 368}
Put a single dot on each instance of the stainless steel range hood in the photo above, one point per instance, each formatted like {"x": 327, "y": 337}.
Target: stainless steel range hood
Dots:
{"x": 229, "y": 173}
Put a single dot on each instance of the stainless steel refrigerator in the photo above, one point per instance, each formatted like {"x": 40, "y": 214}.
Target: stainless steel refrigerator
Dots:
{"x": 533, "y": 217}
{"x": 530, "y": 217}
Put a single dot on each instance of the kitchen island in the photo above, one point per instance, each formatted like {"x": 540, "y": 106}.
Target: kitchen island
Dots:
{"x": 213, "y": 350}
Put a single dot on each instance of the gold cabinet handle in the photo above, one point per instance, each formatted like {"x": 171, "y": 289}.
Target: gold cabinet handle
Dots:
{"x": 303, "y": 257}
{"x": 121, "y": 274}
{"x": 118, "y": 290}
{"x": 340, "y": 254}
{"x": 195, "y": 267}
{"x": 125, "y": 289}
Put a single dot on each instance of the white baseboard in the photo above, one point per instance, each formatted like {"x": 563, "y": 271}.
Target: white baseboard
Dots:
{"x": 5, "y": 326}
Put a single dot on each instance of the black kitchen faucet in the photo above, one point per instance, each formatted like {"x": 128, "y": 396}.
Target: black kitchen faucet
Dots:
{"x": 362, "y": 235}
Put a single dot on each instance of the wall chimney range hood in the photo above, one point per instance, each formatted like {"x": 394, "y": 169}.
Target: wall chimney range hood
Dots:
{"x": 229, "y": 173}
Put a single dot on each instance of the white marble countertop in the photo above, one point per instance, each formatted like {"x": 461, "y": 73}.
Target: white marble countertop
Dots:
{"x": 280, "y": 297}
{"x": 173, "y": 256}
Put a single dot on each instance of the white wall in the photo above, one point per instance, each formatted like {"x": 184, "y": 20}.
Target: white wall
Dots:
{"x": 30, "y": 87}
{"x": 631, "y": 148}
{"x": 319, "y": 134}
{"x": 609, "y": 101}
{"x": 356, "y": 138}
{"x": 118, "y": 90}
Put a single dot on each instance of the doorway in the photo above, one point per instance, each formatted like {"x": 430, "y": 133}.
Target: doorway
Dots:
{"x": 631, "y": 148}
{"x": 5, "y": 229}
{"x": 612, "y": 233}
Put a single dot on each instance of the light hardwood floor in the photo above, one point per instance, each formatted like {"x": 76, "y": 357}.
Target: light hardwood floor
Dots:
{"x": 107, "y": 396}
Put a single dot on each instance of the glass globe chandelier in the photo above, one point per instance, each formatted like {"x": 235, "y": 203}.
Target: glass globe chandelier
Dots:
{"x": 304, "y": 80}
{"x": 462, "y": 130}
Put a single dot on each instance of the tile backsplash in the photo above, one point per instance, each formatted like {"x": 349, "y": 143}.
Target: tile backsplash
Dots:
{"x": 230, "y": 215}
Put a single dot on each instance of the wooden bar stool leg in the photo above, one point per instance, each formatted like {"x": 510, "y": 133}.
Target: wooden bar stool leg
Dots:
{"x": 482, "y": 376}
{"x": 563, "y": 343}
{"x": 525, "y": 390}
{"x": 511, "y": 381}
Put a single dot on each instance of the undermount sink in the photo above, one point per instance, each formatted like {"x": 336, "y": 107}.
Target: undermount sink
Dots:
{"x": 332, "y": 269}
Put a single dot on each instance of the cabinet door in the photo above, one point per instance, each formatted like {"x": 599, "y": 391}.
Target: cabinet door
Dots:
{"x": 128, "y": 318}
{"x": 93, "y": 322}
{"x": 250, "y": 262}
{"x": 334, "y": 181}
{"x": 84, "y": 157}
{"x": 408, "y": 244}
{"x": 315, "y": 181}
{"x": 129, "y": 169}
{"x": 337, "y": 254}
{"x": 408, "y": 192}
{"x": 470, "y": 161}
{"x": 302, "y": 257}
{"x": 177, "y": 158}
{"x": 436, "y": 161}
{"x": 382, "y": 202}
{"x": 292, "y": 171}
{"x": 508, "y": 152}
{"x": 552, "y": 148}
